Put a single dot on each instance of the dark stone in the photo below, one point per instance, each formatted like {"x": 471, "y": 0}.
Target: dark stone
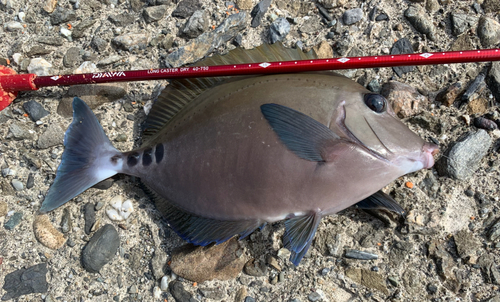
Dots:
{"x": 154, "y": 13}
{"x": 259, "y": 11}
{"x": 374, "y": 86}
{"x": 26, "y": 281}
{"x": 484, "y": 123}
{"x": 31, "y": 181}
{"x": 72, "y": 57}
{"x": 136, "y": 5}
{"x": 382, "y": 17}
{"x": 66, "y": 222}
{"x": 493, "y": 80}
{"x": 89, "y": 217}
{"x": 62, "y": 15}
{"x": 238, "y": 40}
{"x": 35, "y": 110}
{"x": 99, "y": 44}
{"x": 462, "y": 22}
{"x": 464, "y": 156}
{"x": 80, "y": 28}
{"x": 186, "y": 8}
{"x": 402, "y": 46}
{"x": 122, "y": 19}
{"x": 326, "y": 15}
{"x": 352, "y": 16}
{"x": 13, "y": 221}
{"x": 419, "y": 19}
{"x": 355, "y": 254}
{"x": 212, "y": 293}
{"x": 54, "y": 41}
{"x": 195, "y": 25}
{"x": 278, "y": 30}
{"x": 432, "y": 289}
{"x": 255, "y": 268}
{"x": 105, "y": 184}
{"x": 178, "y": 292}
{"x": 488, "y": 31}
{"x": 101, "y": 248}
{"x": 37, "y": 51}
{"x": 473, "y": 87}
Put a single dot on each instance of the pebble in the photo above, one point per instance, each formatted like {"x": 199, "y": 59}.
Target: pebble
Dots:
{"x": 159, "y": 264}
{"x": 3, "y": 208}
{"x": 99, "y": 206}
{"x": 195, "y": 25}
{"x": 50, "y": 6}
{"x": 223, "y": 262}
{"x": 72, "y": 57}
{"x": 325, "y": 271}
{"x": 323, "y": 50}
{"x": 66, "y": 222}
{"x": 131, "y": 41}
{"x": 449, "y": 95}
{"x": 258, "y": 12}
{"x": 100, "y": 249}
{"x": 26, "y": 281}
{"x": 154, "y": 13}
{"x": 109, "y": 60}
{"x": 164, "y": 283}
{"x": 381, "y": 17}
{"x": 38, "y": 50}
{"x": 249, "y": 299}
{"x": 352, "y": 16}
{"x": 40, "y": 67}
{"x": 122, "y": 19}
{"x": 241, "y": 294}
{"x": 50, "y": 40}
{"x": 393, "y": 280}
{"x": 212, "y": 293}
{"x": 119, "y": 210}
{"x": 180, "y": 294}
{"x": 462, "y": 22}
{"x": 420, "y": 20}
{"x": 80, "y": 29}
{"x": 186, "y": 8}
{"x": 86, "y": 67}
{"x": 255, "y": 268}
{"x": 35, "y": 110}
{"x": 46, "y": 234}
{"x": 8, "y": 172}
{"x": 52, "y": 136}
{"x": 278, "y": 30}
{"x": 89, "y": 216}
{"x": 157, "y": 293}
{"x": 17, "y": 184}
{"x": 488, "y": 31}
{"x": 368, "y": 278}
{"x": 314, "y": 296}
{"x": 406, "y": 101}
{"x": 402, "y": 46}
{"x": 324, "y": 12}
{"x": 464, "y": 156}
{"x": 493, "y": 80}
{"x": 196, "y": 49}
{"x": 374, "y": 86}
{"x": 355, "y": 254}
{"x": 13, "y": 221}
{"x": 13, "y": 26}
{"x": 62, "y": 15}
{"x": 484, "y": 123}
{"x": 19, "y": 132}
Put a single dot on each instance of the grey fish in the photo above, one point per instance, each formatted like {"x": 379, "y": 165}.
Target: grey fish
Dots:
{"x": 222, "y": 157}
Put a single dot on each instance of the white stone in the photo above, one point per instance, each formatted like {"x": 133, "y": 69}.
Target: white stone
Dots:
{"x": 40, "y": 67}
{"x": 21, "y": 16}
{"x": 164, "y": 283}
{"x": 119, "y": 210}
{"x": 66, "y": 33}
{"x": 86, "y": 67}
{"x": 157, "y": 292}
{"x": 13, "y": 26}
{"x": 17, "y": 58}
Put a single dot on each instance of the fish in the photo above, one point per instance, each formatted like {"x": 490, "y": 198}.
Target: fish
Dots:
{"x": 222, "y": 157}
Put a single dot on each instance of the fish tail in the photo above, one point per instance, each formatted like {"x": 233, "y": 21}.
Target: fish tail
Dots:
{"x": 88, "y": 158}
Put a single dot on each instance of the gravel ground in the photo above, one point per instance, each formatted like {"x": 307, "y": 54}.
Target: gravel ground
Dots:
{"x": 447, "y": 249}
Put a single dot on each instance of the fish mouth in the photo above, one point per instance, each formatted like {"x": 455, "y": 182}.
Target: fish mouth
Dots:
{"x": 428, "y": 152}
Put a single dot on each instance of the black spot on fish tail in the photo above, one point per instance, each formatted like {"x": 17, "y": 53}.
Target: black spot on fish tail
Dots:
{"x": 132, "y": 159}
{"x": 159, "y": 152}
{"x": 114, "y": 159}
{"x": 146, "y": 157}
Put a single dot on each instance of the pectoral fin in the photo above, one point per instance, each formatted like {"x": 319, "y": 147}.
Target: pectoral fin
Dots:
{"x": 303, "y": 135}
{"x": 299, "y": 233}
{"x": 380, "y": 200}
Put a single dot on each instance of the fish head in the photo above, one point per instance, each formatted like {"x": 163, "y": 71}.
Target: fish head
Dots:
{"x": 368, "y": 120}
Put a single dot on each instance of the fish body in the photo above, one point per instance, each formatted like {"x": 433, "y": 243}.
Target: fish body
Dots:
{"x": 248, "y": 151}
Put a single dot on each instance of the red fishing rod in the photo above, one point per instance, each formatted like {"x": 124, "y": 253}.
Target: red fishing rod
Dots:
{"x": 11, "y": 83}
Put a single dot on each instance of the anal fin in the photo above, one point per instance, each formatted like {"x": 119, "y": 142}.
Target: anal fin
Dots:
{"x": 299, "y": 233}
{"x": 200, "y": 230}
{"x": 380, "y": 200}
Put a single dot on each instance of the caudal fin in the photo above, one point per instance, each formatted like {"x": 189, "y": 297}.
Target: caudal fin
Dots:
{"x": 87, "y": 158}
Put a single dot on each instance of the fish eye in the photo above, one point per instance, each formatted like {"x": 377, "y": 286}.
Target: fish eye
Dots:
{"x": 375, "y": 102}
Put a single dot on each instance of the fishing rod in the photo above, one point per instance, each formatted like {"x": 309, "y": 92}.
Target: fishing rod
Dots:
{"x": 11, "y": 83}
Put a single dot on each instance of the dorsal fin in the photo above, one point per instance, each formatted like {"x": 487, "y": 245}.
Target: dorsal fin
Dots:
{"x": 181, "y": 92}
